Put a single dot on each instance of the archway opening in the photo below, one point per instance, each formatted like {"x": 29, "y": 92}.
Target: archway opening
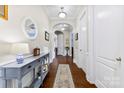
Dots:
{"x": 63, "y": 39}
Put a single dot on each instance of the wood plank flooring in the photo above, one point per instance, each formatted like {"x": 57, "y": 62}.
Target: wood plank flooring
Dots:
{"x": 78, "y": 75}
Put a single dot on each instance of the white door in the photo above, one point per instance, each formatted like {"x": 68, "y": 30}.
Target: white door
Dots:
{"x": 60, "y": 44}
{"x": 83, "y": 42}
{"x": 108, "y": 33}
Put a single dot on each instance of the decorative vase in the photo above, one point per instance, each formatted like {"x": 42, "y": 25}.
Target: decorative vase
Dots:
{"x": 20, "y": 58}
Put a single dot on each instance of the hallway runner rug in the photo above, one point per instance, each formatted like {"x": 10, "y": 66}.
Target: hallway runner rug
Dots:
{"x": 63, "y": 77}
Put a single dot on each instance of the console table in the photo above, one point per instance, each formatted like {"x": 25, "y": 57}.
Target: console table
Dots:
{"x": 18, "y": 71}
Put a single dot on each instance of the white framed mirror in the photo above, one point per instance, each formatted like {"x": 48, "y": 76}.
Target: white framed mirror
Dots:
{"x": 30, "y": 28}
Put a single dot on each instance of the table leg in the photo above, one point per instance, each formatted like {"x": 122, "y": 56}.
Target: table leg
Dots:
{"x": 4, "y": 83}
{"x": 19, "y": 79}
{"x": 19, "y": 83}
{"x": 4, "y": 79}
{"x": 34, "y": 74}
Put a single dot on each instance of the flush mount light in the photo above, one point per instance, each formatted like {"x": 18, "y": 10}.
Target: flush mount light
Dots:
{"x": 63, "y": 29}
{"x": 62, "y": 14}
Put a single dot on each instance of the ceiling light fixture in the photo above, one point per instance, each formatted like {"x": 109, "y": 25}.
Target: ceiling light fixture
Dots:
{"x": 62, "y": 29}
{"x": 62, "y": 14}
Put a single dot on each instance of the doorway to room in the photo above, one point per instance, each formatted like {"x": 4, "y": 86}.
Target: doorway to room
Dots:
{"x": 59, "y": 49}
{"x": 63, "y": 39}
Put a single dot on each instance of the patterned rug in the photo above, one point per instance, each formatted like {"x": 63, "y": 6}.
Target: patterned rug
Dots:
{"x": 63, "y": 77}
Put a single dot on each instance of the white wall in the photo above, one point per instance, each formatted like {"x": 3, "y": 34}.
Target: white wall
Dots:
{"x": 4, "y": 48}
{"x": 88, "y": 65}
{"x": 11, "y": 29}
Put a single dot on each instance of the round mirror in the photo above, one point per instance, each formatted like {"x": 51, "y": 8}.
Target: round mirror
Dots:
{"x": 30, "y": 28}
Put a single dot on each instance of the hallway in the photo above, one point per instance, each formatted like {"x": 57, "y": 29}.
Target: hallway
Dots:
{"x": 45, "y": 36}
{"x": 78, "y": 75}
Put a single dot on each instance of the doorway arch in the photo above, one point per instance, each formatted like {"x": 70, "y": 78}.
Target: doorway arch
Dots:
{"x": 65, "y": 35}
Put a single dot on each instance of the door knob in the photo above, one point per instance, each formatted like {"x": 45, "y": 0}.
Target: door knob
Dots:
{"x": 118, "y": 59}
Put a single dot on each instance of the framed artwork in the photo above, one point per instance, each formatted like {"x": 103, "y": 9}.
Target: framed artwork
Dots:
{"x": 4, "y": 12}
{"x": 46, "y": 36}
{"x": 76, "y": 36}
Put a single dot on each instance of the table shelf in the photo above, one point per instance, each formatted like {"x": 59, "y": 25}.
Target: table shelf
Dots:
{"x": 18, "y": 71}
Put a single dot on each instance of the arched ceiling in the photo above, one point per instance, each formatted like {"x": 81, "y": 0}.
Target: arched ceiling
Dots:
{"x": 63, "y": 27}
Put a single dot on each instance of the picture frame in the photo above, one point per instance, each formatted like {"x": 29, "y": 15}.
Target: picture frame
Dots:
{"x": 76, "y": 36}
{"x": 46, "y": 36}
{"x": 4, "y": 12}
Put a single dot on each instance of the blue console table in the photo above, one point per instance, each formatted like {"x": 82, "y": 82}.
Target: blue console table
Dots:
{"x": 18, "y": 71}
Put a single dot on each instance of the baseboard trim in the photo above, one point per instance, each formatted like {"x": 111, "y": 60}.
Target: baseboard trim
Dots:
{"x": 91, "y": 81}
{"x": 86, "y": 75}
{"x": 99, "y": 84}
{"x": 87, "y": 78}
{"x": 74, "y": 61}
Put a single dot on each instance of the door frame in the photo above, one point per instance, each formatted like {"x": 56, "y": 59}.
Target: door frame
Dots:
{"x": 90, "y": 75}
{"x": 91, "y": 37}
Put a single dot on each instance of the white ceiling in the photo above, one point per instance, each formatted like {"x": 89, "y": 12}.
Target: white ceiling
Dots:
{"x": 71, "y": 10}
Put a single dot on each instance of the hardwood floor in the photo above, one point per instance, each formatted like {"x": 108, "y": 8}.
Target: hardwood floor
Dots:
{"x": 78, "y": 75}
